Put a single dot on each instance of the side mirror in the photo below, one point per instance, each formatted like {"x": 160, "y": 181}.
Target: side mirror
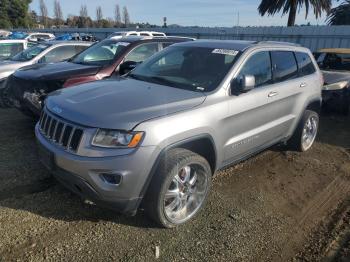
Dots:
{"x": 127, "y": 66}
{"x": 243, "y": 84}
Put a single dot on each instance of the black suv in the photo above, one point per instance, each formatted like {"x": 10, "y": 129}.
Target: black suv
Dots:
{"x": 27, "y": 88}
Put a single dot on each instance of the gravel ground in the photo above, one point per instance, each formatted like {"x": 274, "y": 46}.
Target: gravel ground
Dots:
{"x": 277, "y": 206}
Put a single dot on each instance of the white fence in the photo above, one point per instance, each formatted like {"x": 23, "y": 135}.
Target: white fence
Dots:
{"x": 313, "y": 37}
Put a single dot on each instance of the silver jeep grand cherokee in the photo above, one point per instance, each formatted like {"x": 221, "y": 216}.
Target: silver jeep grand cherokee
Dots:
{"x": 154, "y": 138}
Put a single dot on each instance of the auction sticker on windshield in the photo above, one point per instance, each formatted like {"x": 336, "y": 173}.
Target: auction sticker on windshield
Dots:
{"x": 225, "y": 52}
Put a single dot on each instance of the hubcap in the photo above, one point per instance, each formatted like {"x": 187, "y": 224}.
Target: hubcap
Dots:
{"x": 186, "y": 193}
{"x": 309, "y": 132}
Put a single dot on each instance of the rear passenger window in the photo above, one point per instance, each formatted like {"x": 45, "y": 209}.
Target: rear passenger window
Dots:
{"x": 258, "y": 65}
{"x": 284, "y": 66}
{"x": 306, "y": 67}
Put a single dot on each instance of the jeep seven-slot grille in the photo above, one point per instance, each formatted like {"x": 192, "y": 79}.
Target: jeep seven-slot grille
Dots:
{"x": 60, "y": 132}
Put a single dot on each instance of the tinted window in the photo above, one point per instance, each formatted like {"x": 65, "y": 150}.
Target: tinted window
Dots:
{"x": 142, "y": 52}
{"x": 258, "y": 65}
{"x": 306, "y": 67}
{"x": 80, "y": 48}
{"x": 8, "y": 50}
{"x": 284, "y": 66}
{"x": 165, "y": 45}
{"x": 59, "y": 54}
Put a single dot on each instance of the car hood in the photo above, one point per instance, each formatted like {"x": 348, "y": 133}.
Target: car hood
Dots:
{"x": 10, "y": 66}
{"x": 56, "y": 71}
{"x": 120, "y": 104}
{"x": 331, "y": 77}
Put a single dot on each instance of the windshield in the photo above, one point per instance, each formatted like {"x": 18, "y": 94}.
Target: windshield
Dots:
{"x": 8, "y": 50}
{"x": 103, "y": 53}
{"x": 30, "y": 53}
{"x": 334, "y": 61}
{"x": 192, "y": 68}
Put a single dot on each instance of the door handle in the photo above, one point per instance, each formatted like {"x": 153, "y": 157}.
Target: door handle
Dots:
{"x": 272, "y": 94}
{"x": 303, "y": 85}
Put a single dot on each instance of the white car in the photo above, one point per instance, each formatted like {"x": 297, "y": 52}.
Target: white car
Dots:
{"x": 121, "y": 34}
{"x": 11, "y": 47}
{"x": 40, "y": 36}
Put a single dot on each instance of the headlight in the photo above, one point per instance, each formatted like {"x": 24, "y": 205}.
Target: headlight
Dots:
{"x": 336, "y": 86}
{"x": 116, "y": 138}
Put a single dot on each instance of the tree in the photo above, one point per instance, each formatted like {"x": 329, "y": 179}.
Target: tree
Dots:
{"x": 14, "y": 13}
{"x": 126, "y": 17}
{"x": 43, "y": 12}
{"x": 99, "y": 14}
{"x": 84, "y": 17}
{"x": 271, "y": 7}
{"x": 340, "y": 15}
{"x": 117, "y": 16}
{"x": 83, "y": 11}
{"x": 57, "y": 10}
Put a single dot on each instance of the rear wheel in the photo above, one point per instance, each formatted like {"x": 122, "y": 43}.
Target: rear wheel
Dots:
{"x": 179, "y": 188}
{"x": 306, "y": 132}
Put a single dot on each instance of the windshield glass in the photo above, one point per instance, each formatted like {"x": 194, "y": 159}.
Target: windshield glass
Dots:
{"x": 30, "y": 53}
{"x": 192, "y": 68}
{"x": 103, "y": 53}
{"x": 8, "y": 50}
{"x": 334, "y": 61}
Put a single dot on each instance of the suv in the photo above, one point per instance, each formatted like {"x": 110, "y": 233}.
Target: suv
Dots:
{"x": 29, "y": 87}
{"x": 155, "y": 137}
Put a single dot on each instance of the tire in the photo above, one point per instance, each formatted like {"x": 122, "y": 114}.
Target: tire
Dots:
{"x": 160, "y": 202}
{"x": 296, "y": 142}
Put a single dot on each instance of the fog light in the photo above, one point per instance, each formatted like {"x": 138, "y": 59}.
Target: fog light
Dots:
{"x": 113, "y": 179}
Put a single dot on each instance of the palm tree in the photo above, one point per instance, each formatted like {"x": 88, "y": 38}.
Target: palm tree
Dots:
{"x": 272, "y": 7}
{"x": 340, "y": 15}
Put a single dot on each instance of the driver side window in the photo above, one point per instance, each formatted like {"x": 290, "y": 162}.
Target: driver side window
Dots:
{"x": 259, "y": 66}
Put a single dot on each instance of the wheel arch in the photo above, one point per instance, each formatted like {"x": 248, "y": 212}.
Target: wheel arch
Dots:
{"x": 201, "y": 144}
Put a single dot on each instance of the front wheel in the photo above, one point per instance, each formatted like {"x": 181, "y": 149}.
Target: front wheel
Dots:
{"x": 306, "y": 132}
{"x": 178, "y": 189}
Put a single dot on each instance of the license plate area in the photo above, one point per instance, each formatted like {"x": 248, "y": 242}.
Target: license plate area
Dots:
{"x": 46, "y": 157}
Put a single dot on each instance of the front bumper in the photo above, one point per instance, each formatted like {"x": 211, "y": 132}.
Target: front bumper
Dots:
{"x": 82, "y": 175}
{"x": 335, "y": 95}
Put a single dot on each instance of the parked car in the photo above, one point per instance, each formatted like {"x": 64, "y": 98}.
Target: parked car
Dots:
{"x": 76, "y": 37}
{"x": 46, "y": 52}
{"x": 4, "y": 33}
{"x": 9, "y": 48}
{"x": 335, "y": 65}
{"x": 32, "y": 36}
{"x": 121, "y": 34}
{"x": 30, "y": 86}
{"x": 156, "y": 136}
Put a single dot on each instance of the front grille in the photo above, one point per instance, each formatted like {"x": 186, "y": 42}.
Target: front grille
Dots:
{"x": 60, "y": 132}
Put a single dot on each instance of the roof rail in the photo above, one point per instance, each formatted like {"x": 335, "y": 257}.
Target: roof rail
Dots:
{"x": 276, "y": 43}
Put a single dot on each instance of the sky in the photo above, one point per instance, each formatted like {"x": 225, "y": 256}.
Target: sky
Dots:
{"x": 185, "y": 12}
